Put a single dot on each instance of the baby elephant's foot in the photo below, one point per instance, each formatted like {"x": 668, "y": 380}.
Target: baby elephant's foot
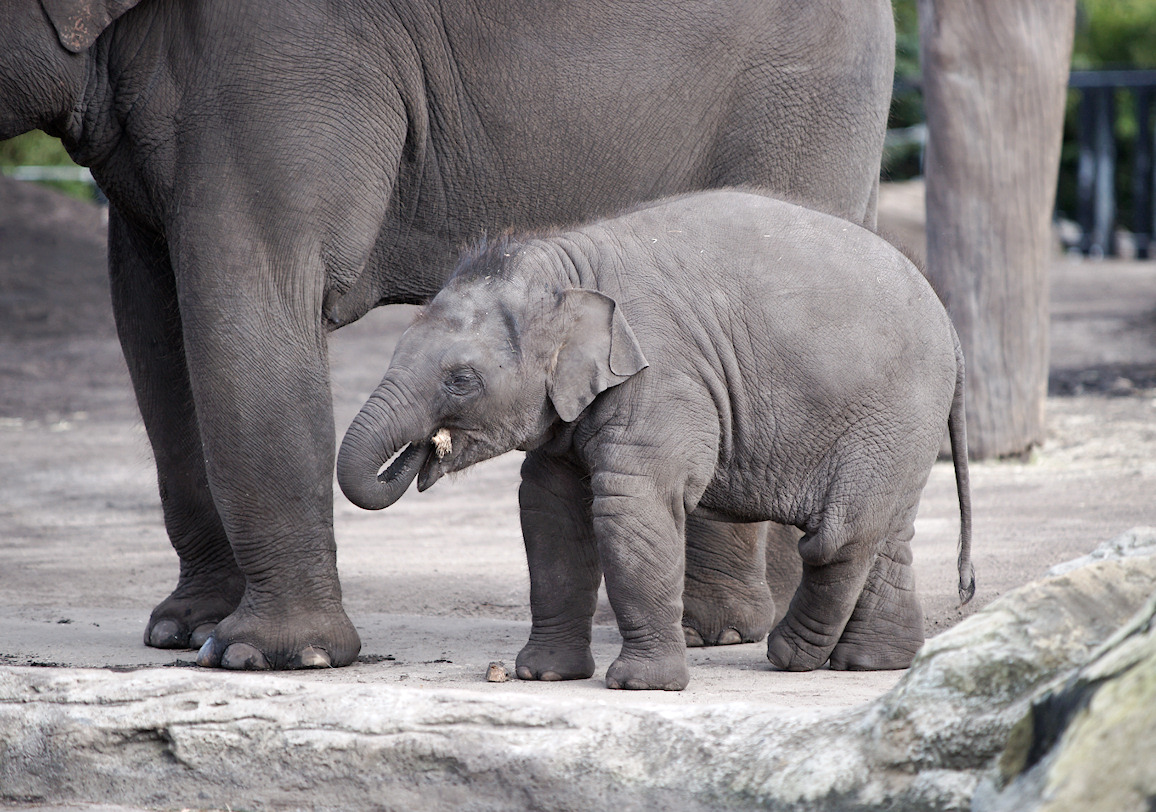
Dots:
{"x": 665, "y": 673}
{"x": 886, "y": 629}
{"x": 551, "y": 663}
{"x": 790, "y": 651}
{"x": 875, "y": 652}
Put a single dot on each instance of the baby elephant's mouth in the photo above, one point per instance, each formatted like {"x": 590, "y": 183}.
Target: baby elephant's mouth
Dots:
{"x": 442, "y": 443}
{"x": 433, "y": 469}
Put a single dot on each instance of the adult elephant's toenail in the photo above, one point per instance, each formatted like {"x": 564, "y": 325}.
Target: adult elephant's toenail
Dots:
{"x": 693, "y": 638}
{"x": 729, "y": 637}
{"x": 165, "y": 634}
{"x": 313, "y": 657}
{"x": 207, "y": 655}
{"x": 201, "y": 634}
{"x": 243, "y": 657}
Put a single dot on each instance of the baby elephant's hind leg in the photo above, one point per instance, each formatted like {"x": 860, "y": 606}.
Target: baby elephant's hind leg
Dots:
{"x": 886, "y": 628}
{"x": 836, "y": 561}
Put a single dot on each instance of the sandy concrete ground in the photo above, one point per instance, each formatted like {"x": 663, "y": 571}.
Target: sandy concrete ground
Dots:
{"x": 437, "y": 584}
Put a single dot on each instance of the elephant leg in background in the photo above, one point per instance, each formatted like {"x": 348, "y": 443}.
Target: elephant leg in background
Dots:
{"x": 784, "y": 564}
{"x": 554, "y": 501}
{"x": 739, "y": 579}
{"x": 726, "y": 590}
{"x": 725, "y": 597}
{"x": 144, "y": 302}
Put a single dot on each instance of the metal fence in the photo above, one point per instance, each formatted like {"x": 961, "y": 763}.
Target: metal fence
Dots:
{"x": 1096, "y": 192}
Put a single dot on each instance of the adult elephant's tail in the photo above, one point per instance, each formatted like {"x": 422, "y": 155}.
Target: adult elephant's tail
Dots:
{"x": 957, "y": 431}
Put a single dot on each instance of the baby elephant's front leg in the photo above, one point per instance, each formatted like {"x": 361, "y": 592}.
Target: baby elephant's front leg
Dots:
{"x": 564, "y": 570}
{"x": 640, "y": 542}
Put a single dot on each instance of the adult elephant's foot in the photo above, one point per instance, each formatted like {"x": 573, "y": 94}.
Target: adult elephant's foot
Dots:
{"x": 187, "y": 617}
{"x": 551, "y": 662}
{"x": 886, "y": 628}
{"x": 727, "y": 618}
{"x": 252, "y": 641}
{"x": 666, "y": 672}
{"x": 726, "y": 599}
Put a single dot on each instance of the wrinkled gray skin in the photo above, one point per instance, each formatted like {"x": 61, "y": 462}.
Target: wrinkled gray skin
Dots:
{"x": 278, "y": 169}
{"x": 721, "y": 353}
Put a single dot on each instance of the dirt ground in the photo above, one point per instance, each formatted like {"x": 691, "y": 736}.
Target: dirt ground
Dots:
{"x": 437, "y": 584}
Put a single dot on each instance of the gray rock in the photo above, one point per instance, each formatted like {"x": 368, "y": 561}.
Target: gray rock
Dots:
{"x": 1139, "y": 541}
{"x": 1089, "y": 743}
{"x": 949, "y": 718}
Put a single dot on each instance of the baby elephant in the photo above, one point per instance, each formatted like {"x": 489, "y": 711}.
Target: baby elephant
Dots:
{"x": 722, "y": 352}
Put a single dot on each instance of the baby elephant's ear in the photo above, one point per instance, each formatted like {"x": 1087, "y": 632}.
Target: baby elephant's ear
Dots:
{"x": 598, "y": 350}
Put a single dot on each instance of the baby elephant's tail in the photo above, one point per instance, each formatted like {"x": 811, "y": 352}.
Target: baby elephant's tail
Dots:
{"x": 957, "y": 430}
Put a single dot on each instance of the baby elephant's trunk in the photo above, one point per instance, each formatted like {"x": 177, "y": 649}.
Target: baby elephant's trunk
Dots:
{"x": 372, "y": 439}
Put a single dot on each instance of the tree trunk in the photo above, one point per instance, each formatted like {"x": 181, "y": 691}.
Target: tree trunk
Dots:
{"x": 994, "y": 83}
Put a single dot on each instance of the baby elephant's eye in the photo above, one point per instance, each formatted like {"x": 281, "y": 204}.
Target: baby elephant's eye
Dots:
{"x": 463, "y": 381}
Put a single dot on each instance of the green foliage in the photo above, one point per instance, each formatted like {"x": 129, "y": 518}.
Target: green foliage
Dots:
{"x": 902, "y": 160}
{"x": 37, "y": 148}
{"x": 906, "y": 39}
{"x": 1115, "y": 34}
{"x": 1109, "y": 34}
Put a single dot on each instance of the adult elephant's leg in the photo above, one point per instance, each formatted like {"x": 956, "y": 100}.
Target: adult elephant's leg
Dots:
{"x": 564, "y": 570}
{"x": 257, "y": 361}
{"x": 149, "y": 325}
{"x": 824, "y": 148}
{"x": 784, "y": 565}
{"x": 726, "y": 598}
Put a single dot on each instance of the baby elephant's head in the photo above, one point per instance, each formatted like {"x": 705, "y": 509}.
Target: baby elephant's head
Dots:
{"x": 495, "y": 360}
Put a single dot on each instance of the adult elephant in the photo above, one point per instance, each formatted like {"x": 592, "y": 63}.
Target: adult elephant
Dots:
{"x": 278, "y": 169}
